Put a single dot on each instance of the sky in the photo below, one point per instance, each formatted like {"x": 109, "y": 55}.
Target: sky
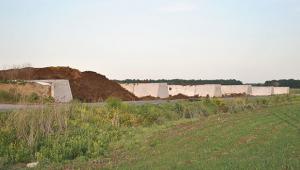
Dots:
{"x": 252, "y": 41}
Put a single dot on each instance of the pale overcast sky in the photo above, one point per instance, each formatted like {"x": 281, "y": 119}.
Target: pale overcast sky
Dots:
{"x": 249, "y": 40}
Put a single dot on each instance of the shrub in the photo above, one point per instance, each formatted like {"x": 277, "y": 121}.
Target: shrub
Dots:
{"x": 113, "y": 102}
{"x": 89, "y": 142}
{"x": 33, "y": 97}
{"x": 222, "y": 108}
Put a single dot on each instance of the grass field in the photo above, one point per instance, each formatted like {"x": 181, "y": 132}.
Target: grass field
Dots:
{"x": 238, "y": 133}
{"x": 264, "y": 139}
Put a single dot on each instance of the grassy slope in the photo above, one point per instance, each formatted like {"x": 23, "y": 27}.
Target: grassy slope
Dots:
{"x": 264, "y": 139}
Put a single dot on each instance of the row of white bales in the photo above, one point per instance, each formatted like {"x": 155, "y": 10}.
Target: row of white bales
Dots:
{"x": 61, "y": 91}
{"x": 163, "y": 90}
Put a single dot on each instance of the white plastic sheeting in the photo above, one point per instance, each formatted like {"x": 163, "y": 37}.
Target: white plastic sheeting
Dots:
{"x": 159, "y": 90}
{"x": 228, "y": 90}
{"x": 162, "y": 90}
{"x": 179, "y": 89}
{"x": 281, "y": 90}
{"x": 210, "y": 90}
{"x": 262, "y": 91}
{"x": 129, "y": 87}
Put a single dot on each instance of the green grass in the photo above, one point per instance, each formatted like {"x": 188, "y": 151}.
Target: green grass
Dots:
{"x": 13, "y": 81}
{"x": 264, "y": 139}
{"x": 239, "y": 133}
{"x": 13, "y": 97}
{"x": 295, "y": 91}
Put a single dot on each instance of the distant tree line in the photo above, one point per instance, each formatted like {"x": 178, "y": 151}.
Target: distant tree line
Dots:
{"x": 292, "y": 83}
{"x": 284, "y": 83}
{"x": 184, "y": 82}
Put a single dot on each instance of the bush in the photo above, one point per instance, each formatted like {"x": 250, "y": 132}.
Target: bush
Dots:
{"x": 33, "y": 97}
{"x": 88, "y": 142}
{"x": 114, "y": 103}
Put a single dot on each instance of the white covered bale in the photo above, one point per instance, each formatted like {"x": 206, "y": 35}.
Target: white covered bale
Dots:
{"x": 180, "y": 89}
{"x": 210, "y": 90}
{"x": 228, "y": 90}
{"x": 159, "y": 90}
{"x": 60, "y": 89}
{"x": 163, "y": 90}
{"x": 281, "y": 90}
{"x": 262, "y": 91}
{"x": 129, "y": 87}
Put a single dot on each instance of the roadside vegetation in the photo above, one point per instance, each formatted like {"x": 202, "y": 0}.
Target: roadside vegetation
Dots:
{"x": 266, "y": 139}
{"x": 60, "y": 136}
{"x": 12, "y": 96}
{"x": 295, "y": 91}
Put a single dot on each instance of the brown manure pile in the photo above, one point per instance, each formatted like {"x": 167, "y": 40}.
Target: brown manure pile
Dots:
{"x": 179, "y": 96}
{"x": 86, "y": 86}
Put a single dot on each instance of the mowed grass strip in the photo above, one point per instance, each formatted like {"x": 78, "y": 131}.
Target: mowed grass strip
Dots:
{"x": 263, "y": 139}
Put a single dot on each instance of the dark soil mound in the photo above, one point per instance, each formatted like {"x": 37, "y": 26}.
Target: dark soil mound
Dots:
{"x": 86, "y": 86}
{"x": 146, "y": 98}
{"x": 179, "y": 96}
{"x": 236, "y": 95}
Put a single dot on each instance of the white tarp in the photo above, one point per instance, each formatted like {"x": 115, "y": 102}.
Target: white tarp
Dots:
{"x": 208, "y": 90}
{"x": 159, "y": 90}
{"x": 281, "y": 90}
{"x": 179, "y": 89}
{"x": 211, "y": 90}
{"x": 228, "y": 90}
{"x": 262, "y": 91}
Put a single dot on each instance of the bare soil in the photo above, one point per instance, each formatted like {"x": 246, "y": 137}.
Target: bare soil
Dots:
{"x": 86, "y": 86}
{"x": 146, "y": 98}
{"x": 179, "y": 96}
